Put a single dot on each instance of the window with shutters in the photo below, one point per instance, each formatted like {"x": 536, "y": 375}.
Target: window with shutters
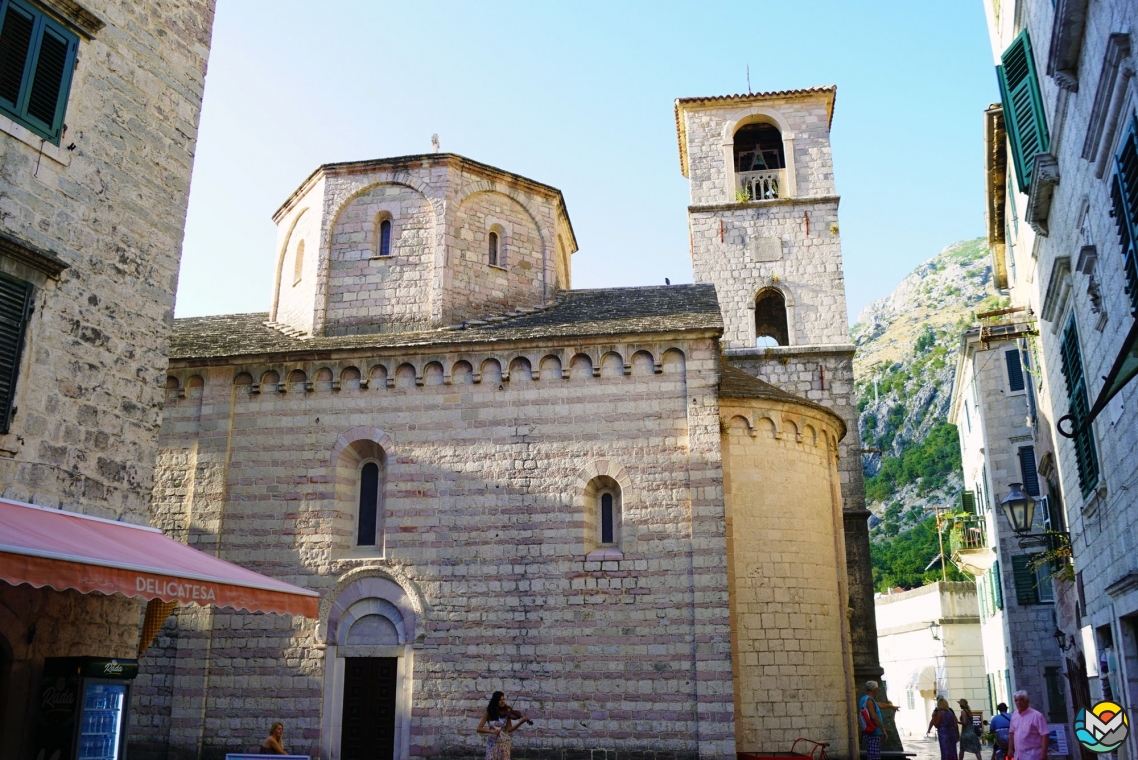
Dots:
{"x": 1023, "y": 107}
{"x": 1124, "y": 208}
{"x": 1032, "y": 586}
{"x": 15, "y": 307}
{"x": 968, "y": 502}
{"x": 1015, "y": 370}
{"x": 37, "y": 58}
{"x": 997, "y": 586}
{"x": 1086, "y": 457}
{"x": 1028, "y": 470}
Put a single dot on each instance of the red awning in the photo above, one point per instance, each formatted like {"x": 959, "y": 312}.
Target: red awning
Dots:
{"x": 65, "y": 550}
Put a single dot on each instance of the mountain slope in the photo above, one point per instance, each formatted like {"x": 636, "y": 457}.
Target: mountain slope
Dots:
{"x": 907, "y": 348}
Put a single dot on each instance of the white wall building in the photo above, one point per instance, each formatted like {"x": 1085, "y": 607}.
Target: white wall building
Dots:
{"x": 929, "y": 642}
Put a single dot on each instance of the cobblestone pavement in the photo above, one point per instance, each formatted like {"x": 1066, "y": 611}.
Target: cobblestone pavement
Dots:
{"x": 926, "y": 748}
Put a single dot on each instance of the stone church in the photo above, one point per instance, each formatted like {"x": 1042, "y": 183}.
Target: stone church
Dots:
{"x": 637, "y": 511}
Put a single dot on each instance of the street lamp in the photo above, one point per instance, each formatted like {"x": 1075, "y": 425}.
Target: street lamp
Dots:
{"x": 1019, "y": 508}
{"x": 934, "y": 630}
{"x": 1063, "y": 640}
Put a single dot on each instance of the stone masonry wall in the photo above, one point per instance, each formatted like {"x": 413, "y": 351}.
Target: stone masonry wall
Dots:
{"x": 483, "y": 514}
{"x": 475, "y": 287}
{"x": 367, "y": 292}
{"x": 787, "y": 577}
{"x": 292, "y": 301}
{"x": 89, "y": 392}
{"x": 799, "y": 255}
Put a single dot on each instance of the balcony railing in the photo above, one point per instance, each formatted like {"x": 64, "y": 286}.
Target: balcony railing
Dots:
{"x": 760, "y": 186}
{"x": 968, "y": 534}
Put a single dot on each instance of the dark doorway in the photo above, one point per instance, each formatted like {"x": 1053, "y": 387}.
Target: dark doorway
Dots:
{"x": 369, "y": 709}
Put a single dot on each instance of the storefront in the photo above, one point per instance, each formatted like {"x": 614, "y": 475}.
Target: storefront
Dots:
{"x": 70, "y": 593}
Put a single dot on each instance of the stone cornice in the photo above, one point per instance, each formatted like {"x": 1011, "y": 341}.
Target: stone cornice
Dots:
{"x": 806, "y": 201}
{"x": 74, "y": 15}
{"x": 31, "y": 256}
{"x": 835, "y": 349}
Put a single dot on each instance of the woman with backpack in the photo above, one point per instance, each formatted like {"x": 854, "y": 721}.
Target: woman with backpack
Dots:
{"x": 869, "y": 720}
{"x": 946, "y": 729}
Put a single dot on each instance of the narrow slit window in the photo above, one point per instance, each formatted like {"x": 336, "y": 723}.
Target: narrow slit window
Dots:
{"x": 298, "y": 263}
{"x": 369, "y": 505}
{"x": 494, "y": 249}
{"x": 385, "y": 237}
{"x": 606, "y": 519}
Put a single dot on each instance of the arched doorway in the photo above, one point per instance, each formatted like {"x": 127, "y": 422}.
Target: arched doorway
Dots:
{"x": 368, "y": 665}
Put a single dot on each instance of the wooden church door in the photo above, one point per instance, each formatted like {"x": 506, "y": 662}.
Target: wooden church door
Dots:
{"x": 369, "y": 709}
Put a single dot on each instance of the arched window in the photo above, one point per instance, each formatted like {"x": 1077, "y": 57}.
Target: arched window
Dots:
{"x": 759, "y": 160}
{"x": 368, "y": 519}
{"x": 385, "y": 237}
{"x": 298, "y": 263}
{"x": 494, "y": 249}
{"x": 607, "y": 519}
{"x": 770, "y": 319}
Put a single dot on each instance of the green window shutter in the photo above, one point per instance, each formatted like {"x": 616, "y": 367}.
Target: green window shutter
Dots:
{"x": 1026, "y": 592}
{"x": 37, "y": 59}
{"x": 1124, "y": 208}
{"x": 997, "y": 585}
{"x": 1028, "y": 469}
{"x": 1086, "y": 458}
{"x": 1056, "y": 699}
{"x": 15, "y": 306}
{"x": 982, "y": 602}
{"x": 968, "y": 502}
{"x": 1023, "y": 107}
{"x": 1015, "y": 370}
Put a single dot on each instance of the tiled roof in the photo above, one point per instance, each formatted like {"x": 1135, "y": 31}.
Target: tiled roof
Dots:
{"x": 579, "y": 313}
{"x": 751, "y": 97}
{"x": 735, "y": 383}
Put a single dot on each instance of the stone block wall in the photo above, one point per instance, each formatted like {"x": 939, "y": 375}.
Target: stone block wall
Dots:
{"x": 474, "y": 287}
{"x": 801, "y": 257}
{"x": 485, "y": 471}
{"x": 786, "y": 573}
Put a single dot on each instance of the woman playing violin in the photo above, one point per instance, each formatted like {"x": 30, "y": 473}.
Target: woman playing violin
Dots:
{"x": 498, "y": 723}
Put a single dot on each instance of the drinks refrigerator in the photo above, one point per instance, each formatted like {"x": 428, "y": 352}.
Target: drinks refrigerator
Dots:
{"x": 83, "y": 707}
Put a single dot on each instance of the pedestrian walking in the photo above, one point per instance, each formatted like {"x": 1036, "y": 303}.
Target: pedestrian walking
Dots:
{"x": 1000, "y": 725}
{"x": 969, "y": 738}
{"x": 946, "y": 729}
{"x": 272, "y": 744}
{"x": 497, "y": 725}
{"x": 1028, "y": 733}
{"x": 869, "y": 719}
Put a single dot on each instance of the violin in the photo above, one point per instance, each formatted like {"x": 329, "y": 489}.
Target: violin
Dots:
{"x": 513, "y": 714}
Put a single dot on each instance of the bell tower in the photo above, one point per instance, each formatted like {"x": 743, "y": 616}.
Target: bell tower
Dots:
{"x": 764, "y": 215}
{"x": 763, "y": 222}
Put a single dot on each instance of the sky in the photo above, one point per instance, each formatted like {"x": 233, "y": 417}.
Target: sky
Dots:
{"x": 580, "y": 95}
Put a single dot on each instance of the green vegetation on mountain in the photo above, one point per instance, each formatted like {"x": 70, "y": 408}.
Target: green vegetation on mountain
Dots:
{"x": 927, "y": 465}
{"x": 900, "y": 560}
{"x": 907, "y": 349}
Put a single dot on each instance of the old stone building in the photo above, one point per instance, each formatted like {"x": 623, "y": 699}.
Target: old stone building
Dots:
{"x": 628, "y": 508}
{"x": 1062, "y": 213}
{"x": 99, "y": 106}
